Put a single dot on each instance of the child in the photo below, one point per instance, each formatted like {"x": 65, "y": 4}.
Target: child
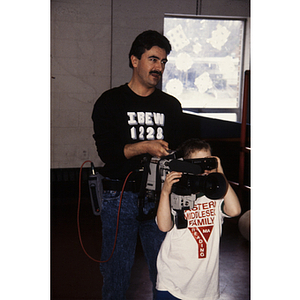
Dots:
{"x": 188, "y": 260}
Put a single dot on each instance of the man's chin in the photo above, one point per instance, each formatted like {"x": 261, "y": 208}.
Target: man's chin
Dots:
{"x": 155, "y": 80}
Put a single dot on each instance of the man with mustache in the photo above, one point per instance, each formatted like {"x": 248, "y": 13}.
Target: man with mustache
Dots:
{"x": 132, "y": 123}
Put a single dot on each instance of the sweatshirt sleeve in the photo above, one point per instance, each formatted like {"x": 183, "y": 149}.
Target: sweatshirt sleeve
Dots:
{"x": 106, "y": 131}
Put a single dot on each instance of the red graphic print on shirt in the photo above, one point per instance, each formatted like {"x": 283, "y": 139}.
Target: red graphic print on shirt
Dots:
{"x": 201, "y": 223}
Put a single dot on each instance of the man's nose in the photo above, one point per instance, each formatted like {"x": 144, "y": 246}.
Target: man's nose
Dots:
{"x": 159, "y": 66}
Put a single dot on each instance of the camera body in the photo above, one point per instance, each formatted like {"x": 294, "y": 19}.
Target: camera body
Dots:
{"x": 193, "y": 181}
{"x": 179, "y": 202}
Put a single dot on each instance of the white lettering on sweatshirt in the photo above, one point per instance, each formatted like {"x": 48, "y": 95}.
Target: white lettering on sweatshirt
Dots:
{"x": 146, "y": 120}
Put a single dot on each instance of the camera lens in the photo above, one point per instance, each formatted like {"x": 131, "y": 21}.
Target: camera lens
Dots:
{"x": 215, "y": 186}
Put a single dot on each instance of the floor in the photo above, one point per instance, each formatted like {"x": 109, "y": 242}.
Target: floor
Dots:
{"x": 75, "y": 276}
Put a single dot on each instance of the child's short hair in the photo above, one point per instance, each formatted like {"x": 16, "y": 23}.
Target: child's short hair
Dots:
{"x": 192, "y": 145}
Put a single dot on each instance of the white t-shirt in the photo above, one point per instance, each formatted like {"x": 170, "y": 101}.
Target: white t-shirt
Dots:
{"x": 188, "y": 260}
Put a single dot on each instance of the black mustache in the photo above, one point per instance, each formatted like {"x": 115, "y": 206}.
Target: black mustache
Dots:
{"x": 156, "y": 72}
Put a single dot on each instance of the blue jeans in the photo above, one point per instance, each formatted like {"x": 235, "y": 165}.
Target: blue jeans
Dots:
{"x": 116, "y": 272}
{"x": 164, "y": 295}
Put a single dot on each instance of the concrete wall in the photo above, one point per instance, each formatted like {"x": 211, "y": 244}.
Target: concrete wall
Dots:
{"x": 90, "y": 41}
{"x": 81, "y": 43}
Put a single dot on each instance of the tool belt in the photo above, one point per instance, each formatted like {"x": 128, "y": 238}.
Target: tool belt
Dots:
{"x": 116, "y": 185}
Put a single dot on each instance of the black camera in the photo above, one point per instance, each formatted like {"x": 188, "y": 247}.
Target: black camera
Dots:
{"x": 213, "y": 186}
{"x": 192, "y": 182}
{"x": 207, "y": 163}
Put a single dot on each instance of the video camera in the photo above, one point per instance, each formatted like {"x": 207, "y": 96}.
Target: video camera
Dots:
{"x": 192, "y": 182}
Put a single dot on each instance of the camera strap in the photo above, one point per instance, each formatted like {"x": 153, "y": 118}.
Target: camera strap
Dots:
{"x": 198, "y": 195}
{"x": 142, "y": 194}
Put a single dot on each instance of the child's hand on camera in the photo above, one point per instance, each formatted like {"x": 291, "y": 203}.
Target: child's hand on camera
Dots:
{"x": 171, "y": 178}
{"x": 219, "y": 169}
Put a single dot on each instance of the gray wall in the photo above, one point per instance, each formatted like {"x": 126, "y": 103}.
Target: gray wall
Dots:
{"x": 90, "y": 41}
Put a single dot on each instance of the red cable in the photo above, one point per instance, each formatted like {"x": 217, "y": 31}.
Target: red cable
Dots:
{"x": 121, "y": 196}
{"x": 78, "y": 209}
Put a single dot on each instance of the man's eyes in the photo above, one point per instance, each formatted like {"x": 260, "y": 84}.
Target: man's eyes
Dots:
{"x": 156, "y": 60}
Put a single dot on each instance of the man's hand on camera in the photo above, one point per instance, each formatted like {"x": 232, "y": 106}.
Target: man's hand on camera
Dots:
{"x": 157, "y": 148}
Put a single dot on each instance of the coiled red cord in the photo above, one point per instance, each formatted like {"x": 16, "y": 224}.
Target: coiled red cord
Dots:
{"x": 118, "y": 217}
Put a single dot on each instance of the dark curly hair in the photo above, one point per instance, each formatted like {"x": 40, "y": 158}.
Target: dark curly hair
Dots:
{"x": 145, "y": 41}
